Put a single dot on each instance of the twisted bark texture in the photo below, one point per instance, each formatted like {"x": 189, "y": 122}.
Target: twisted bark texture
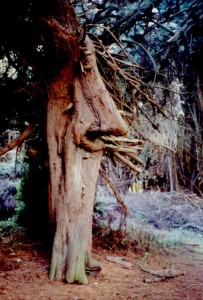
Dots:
{"x": 79, "y": 110}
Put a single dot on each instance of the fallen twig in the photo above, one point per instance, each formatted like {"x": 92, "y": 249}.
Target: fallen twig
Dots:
{"x": 153, "y": 279}
{"x": 192, "y": 284}
{"x": 191, "y": 244}
{"x": 166, "y": 275}
{"x": 121, "y": 261}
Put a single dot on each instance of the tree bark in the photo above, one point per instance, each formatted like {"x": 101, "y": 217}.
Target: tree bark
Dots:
{"x": 172, "y": 167}
{"x": 79, "y": 111}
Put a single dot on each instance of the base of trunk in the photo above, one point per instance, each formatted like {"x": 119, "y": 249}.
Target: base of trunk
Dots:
{"x": 72, "y": 245}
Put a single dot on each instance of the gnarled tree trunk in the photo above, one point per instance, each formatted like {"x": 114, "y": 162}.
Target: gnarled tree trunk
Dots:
{"x": 79, "y": 111}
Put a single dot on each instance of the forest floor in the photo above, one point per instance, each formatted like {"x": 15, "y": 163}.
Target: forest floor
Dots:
{"x": 24, "y": 269}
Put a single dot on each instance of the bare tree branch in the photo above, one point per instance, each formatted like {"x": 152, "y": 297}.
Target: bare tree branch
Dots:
{"x": 18, "y": 141}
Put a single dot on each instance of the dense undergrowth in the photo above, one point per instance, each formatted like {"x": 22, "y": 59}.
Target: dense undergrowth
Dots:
{"x": 155, "y": 222}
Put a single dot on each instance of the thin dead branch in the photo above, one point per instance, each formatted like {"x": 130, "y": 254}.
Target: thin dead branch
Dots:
{"x": 118, "y": 43}
{"x": 149, "y": 55}
{"x": 151, "y": 101}
{"x": 122, "y": 149}
{"x": 17, "y": 142}
{"x": 122, "y": 139}
{"x": 127, "y": 163}
{"x": 145, "y": 138}
{"x": 117, "y": 196}
{"x": 178, "y": 33}
{"x": 135, "y": 157}
{"x": 131, "y": 80}
{"x": 118, "y": 146}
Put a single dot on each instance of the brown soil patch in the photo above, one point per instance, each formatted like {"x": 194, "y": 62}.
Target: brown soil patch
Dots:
{"x": 24, "y": 276}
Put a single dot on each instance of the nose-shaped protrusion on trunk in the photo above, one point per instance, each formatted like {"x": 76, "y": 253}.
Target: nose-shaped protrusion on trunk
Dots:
{"x": 95, "y": 112}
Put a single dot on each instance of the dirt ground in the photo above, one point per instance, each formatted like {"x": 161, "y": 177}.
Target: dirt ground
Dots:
{"x": 24, "y": 276}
